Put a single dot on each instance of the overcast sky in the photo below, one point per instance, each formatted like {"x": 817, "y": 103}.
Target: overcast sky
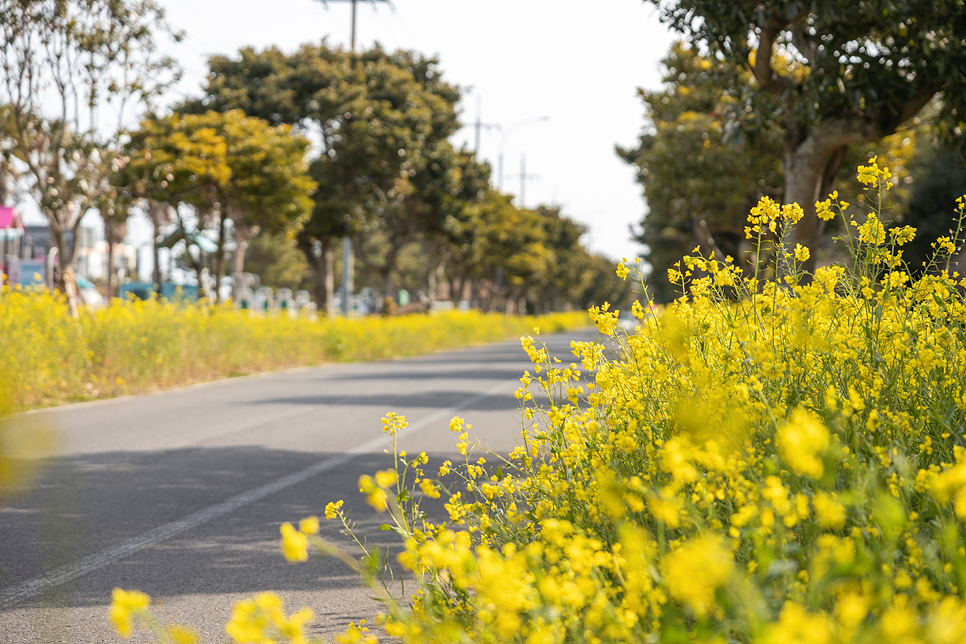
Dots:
{"x": 578, "y": 62}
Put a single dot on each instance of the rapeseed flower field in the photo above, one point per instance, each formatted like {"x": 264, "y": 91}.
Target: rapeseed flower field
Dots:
{"x": 128, "y": 347}
{"x": 771, "y": 460}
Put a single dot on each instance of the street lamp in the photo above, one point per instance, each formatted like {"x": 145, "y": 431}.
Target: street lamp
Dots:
{"x": 506, "y": 133}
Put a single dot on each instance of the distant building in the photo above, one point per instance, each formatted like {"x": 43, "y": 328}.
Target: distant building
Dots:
{"x": 28, "y": 245}
{"x": 11, "y": 243}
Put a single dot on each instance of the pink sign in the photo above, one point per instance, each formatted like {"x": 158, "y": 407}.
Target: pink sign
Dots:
{"x": 9, "y": 218}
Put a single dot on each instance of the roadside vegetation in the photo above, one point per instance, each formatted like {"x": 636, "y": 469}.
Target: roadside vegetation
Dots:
{"x": 774, "y": 458}
{"x": 49, "y": 358}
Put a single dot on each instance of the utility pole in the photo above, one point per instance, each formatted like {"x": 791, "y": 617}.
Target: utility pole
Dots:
{"x": 506, "y": 133}
{"x": 352, "y": 41}
{"x": 347, "y": 257}
{"x": 479, "y": 125}
{"x": 523, "y": 180}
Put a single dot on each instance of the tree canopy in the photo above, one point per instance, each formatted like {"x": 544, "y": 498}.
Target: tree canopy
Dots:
{"x": 228, "y": 167}
{"x": 382, "y": 120}
{"x": 63, "y": 63}
{"x": 840, "y": 74}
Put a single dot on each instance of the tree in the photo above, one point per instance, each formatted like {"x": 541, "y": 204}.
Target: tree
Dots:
{"x": 700, "y": 178}
{"x": 841, "y": 73}
{"x": 234, "y": 170}
{"x": 382, "y": 120}
{"x": 277, "y": 261}
{"x": 62, "y": 64}
{"x": 702, "y": 170}
{"x": 940, "y": 179}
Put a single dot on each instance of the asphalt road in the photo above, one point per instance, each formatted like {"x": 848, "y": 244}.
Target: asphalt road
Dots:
{"x": 180, "y": 494}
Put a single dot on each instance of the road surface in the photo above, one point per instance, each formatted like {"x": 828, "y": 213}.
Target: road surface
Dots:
{"x": 180, "y": 494}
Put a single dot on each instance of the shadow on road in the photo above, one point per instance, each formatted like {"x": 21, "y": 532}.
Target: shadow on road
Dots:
{"x": 58, "y": 523}
{"x": 427, "y": 399}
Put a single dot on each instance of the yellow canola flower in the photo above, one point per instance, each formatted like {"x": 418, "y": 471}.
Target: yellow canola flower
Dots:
{"x": 802, "y": 441}
{"x": 829, "y": 513}
{"x": 295, "y": 545}
{"x": 262, "y": 620}
{"x": 309, "y": 525}
{"x": 125, "y": 605}
{"x": 332, "y": 509}
{"x": 801, "y": 253}
{"x": 872, "y": 231}
{"x": 429, "y": 489}
{"x": 386, "y": 478}
{"x": 180, "y": 635}
{"x": 696, "y": 570}
{"x": 605, "y": 319}
{"x": 872, "y": 173}
{"x": 824, "y": 208}
{"x": 375, "y": 495}
{"x": 796, "y": 625}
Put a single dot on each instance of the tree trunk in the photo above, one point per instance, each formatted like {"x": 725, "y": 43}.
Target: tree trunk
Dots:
{"x": 110, "y": 268}
{"x": 157, "y": 213}
{"x": 241, "y": 245}
{"x": 220, "y": 256}
{"x": 810, "y": 164}
{"x": 431, "y": 286}
{"x": 322, "y": 264}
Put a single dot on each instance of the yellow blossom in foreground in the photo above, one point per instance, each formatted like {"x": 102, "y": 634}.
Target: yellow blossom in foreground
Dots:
{"x": 697, "y": 569}
{"x": 309, "y": 525}
{"x": 375, "y": 495}
{"x": 262, "y": 620}
{"x": 829, "y": 513}
{"x": 802, "y": 441}
{"x": 125, "y": 605}
{"x": 294, "y": 544}
{"x": 385, "y": 478}
{"x": 796, "y": 625}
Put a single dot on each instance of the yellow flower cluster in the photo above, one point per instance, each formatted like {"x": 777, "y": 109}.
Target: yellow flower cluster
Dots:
{"x": 131, "y": 607}
{"x": 762, "y": 462}
{"x": 145, "y": 345}
{"x": 262, "y": 620}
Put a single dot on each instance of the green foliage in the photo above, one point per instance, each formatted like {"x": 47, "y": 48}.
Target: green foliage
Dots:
{"x": 940, "y": 179}
{"x": 839, "y": 74}
{"x": 228, "y": 166}
{"x": 694, "y": 155}
{"x": 694, "y": 165}
{"x": 277, "y": 261}
{"x": 62, "y": 64}
{"x": 383, "y": 120}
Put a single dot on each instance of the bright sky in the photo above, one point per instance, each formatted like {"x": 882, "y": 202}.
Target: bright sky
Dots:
{"x": 578, "y": 62}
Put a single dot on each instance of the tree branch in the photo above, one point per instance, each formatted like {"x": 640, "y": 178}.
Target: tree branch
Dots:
{"x": 804, "y": 43}
{"x": 770, "y": 80}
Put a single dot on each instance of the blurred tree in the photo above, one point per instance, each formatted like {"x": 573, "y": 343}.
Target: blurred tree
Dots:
{"x": 277, "y": 260}
{"x": 702, "y": 171}
{"x": 840, "y": 73}
{"x": 8, "y": 168}
{"x": 63, "y": 63}
{"x": 381, "y": 120}
{"x": 229, "y": 167}
{"x": 698, "y": 186}
{"x": 939, "y": 180}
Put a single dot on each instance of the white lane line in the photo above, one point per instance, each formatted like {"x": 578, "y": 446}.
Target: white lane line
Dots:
{"x": 32, "y": 587}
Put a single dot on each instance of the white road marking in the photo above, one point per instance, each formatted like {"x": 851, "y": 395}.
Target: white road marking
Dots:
{"x": 32, "y": 587}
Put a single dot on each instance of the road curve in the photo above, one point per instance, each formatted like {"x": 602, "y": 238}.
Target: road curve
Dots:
{"x": 181, "y": 493}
